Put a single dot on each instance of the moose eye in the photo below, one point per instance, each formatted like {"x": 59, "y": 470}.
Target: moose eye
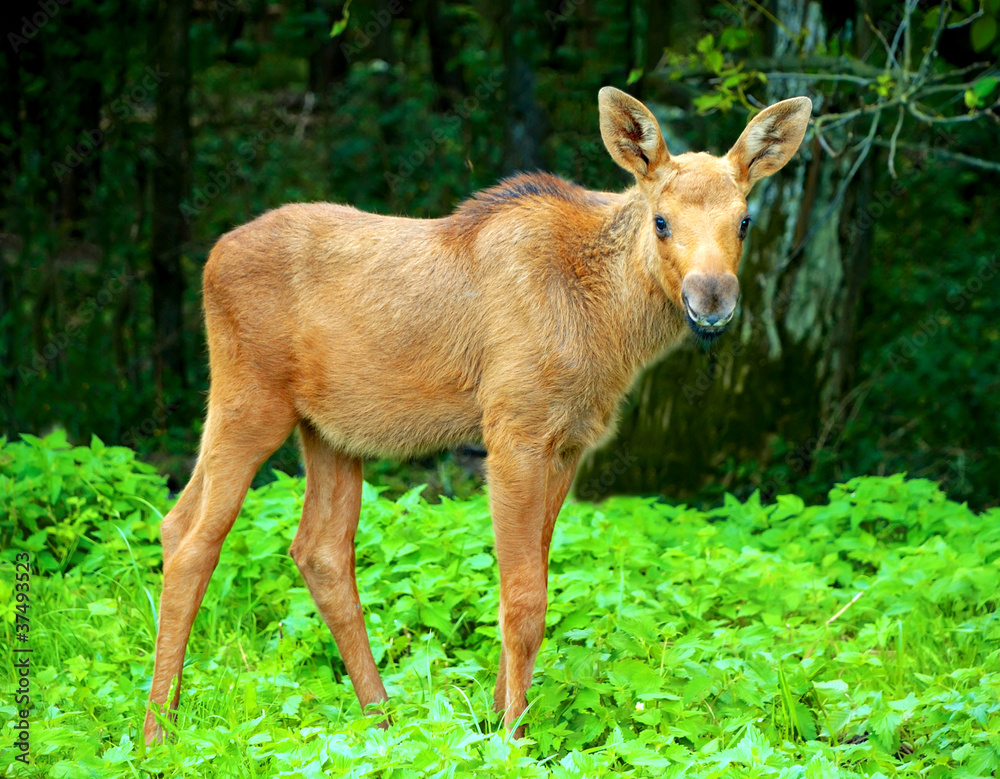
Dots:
{"x": 744, "y": 227}
{"x": 662, "y": 230}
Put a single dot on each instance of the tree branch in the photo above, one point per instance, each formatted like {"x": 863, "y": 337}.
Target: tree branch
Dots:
{"x": 975, "y": 162}
{"x": 866, "y": 147}
{"x": 820, "y": 77}
{"x": 819, "y": 62}
{"x": 892, "y": 142}
{"x": 914, "y": 108}
{"x": 896, "y": 84}
{"x": 931, "y": 52}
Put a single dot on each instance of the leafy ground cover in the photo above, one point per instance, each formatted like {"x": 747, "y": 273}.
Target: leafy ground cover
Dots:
{"x": 855, "y": 638}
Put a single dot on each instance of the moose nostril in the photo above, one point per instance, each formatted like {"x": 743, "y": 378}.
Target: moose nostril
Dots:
{"x": 710, "y": 298}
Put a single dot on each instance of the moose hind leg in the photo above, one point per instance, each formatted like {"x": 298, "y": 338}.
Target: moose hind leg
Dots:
{"x": 323, "y": 549}
{"x": 233, "y": 447}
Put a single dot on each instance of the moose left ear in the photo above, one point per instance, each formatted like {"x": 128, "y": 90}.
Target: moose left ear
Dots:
{"x": 770, "y": 140}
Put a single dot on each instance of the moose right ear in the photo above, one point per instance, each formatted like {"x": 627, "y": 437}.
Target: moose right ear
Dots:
{"x": 631, "y": 134}
{"x": 770, "y": 140}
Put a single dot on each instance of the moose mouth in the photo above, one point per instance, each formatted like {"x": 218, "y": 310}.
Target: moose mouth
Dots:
{"x": 707, "y": 328}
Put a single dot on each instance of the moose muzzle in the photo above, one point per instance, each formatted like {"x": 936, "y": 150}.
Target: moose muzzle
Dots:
{"x": 710, "y": 302}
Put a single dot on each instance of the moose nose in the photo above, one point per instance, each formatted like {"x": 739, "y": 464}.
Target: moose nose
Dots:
{"x": 710, "y": 301}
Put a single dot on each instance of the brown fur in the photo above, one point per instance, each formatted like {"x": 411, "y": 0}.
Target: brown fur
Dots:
{"x": 519, "y": 321}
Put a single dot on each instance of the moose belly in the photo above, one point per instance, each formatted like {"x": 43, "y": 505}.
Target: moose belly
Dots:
{"x": 369, "y": 400}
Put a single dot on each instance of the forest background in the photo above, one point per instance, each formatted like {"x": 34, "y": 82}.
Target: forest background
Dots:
{"x": 134, "y": 133}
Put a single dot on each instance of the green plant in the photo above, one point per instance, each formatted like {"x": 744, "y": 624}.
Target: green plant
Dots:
{"x": 59, "y": 501}
{"x": 858, "y": 637}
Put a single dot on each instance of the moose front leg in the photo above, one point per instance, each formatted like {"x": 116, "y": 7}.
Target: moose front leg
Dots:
{"x": 526, "y": 493}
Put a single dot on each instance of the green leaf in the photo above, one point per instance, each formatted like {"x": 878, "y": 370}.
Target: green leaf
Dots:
{"x": 753, "y": 748}
{"x": 103, "y": 608}
{"x": 984, "y": 87}
{"x": 480, "y": 561}
{"x": 734, "y": 38}
{"x": 250, "y": 699}
{"x": 634, "y": 75}
{"x": 883, "y": 724}
{"x": 983, "y": 32}
{"x": 788, "y": 506}
{"x": 984, "y": 761}
{"x": 706, "y": 44}
{"x": 696, "y": 688}
{"x": 805, "y": 723}
{"x": 119, "y": 753}
{"x": 638, "y": 677}
{"x": 55, "y": 487}
{"x": 707, "y": 102}
{"x": 291, "y": 705}
{"x": 341, "y": 24}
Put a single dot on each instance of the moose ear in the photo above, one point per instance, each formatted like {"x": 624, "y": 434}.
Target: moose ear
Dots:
{"x": 770, "y": 140}
{"x": 631, "y": 134}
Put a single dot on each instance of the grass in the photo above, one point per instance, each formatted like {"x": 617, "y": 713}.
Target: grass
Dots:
{"x": 855, "y": 638}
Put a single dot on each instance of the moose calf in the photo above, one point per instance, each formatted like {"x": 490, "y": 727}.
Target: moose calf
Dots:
{"x": 519, "y": 321}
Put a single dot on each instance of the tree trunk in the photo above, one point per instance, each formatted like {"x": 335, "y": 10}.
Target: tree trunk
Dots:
{"x": 327, "y": 59}
{"x": 442, "y": 47}
{"x": 170, "y": 178}
{"x": 767, "y": 393}
{"x": 524, "y": 121}
{"x": 10, "y": 108}
{"x": 638, "y": 24}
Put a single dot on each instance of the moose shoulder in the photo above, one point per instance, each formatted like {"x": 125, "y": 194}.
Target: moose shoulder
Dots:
{"x": 520, "y": 321}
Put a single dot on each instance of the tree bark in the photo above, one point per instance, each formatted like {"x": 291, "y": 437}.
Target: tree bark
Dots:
{"x": 171, "y": 171}
{"x": 713, "y": 416}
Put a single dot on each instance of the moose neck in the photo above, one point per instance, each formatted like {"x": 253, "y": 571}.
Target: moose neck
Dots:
{"x": 646, "y": 319}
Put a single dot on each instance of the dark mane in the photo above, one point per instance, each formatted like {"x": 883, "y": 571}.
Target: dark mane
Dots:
{"x": 520, "y": 189}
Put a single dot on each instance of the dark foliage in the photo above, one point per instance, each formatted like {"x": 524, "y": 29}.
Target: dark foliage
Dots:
{"x": 126, "y": 152}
